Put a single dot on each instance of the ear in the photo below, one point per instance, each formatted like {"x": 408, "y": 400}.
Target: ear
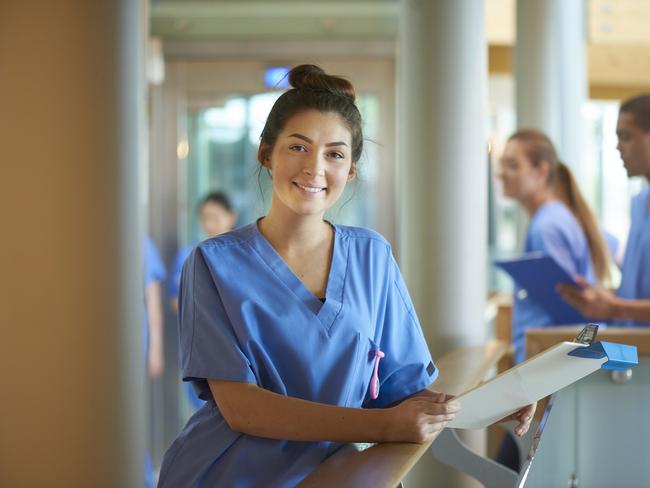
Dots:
{"x": 544, "y": 169}
{"x": 263, "y": 153}
{"x": 353, "y": 172}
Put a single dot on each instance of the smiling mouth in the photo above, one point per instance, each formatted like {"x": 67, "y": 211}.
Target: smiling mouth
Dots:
{"x": 309, "y": 189}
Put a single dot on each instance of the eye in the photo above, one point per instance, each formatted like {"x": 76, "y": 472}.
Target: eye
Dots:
{"x": 297, "y": 148}
{"x": 336, "y": 155}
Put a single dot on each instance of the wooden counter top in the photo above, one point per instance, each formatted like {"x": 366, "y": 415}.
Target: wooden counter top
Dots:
{"x": 385, "y": 465}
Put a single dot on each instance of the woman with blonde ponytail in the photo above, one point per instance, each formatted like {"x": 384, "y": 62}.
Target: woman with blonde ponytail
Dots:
{"x": 567, "y": 190}
{"x": 561, "y": 224}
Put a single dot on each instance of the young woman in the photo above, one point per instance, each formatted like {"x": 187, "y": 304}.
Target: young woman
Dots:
{"x": 561, "y": 224}
{"x": 300, "y": 334}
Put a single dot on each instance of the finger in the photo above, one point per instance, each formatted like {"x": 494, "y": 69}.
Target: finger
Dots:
{"x": 434, "y": 406}
{"x": 437, "y": 419}
{"x": 581, "y": 281}
{"x": 570, "y": 293}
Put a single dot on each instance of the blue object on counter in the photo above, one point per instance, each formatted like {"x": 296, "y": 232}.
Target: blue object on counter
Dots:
{"x": 619, "y": 356}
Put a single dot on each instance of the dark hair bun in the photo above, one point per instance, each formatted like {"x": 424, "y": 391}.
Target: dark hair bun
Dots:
{"x": 311, "y": 77}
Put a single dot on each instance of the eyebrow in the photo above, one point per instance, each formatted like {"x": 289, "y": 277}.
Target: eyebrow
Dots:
{"x": 307, "y": 139}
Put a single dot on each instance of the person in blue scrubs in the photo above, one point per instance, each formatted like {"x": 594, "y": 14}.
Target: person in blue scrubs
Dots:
{"x": 300, "y": 334}
{"x": 217, "y": 217}
{"x": 154, "y": 276}
{"x": 561, "y": 224}
{"x": 630, "y": 306}
{"x": 152, "y": 327}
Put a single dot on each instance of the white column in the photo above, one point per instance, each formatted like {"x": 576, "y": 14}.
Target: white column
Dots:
{"x": 551, "y": 72}
{"x": 70, "y": 353}
{"x": 443, "y": 167}
{"x": 442, "y": 175}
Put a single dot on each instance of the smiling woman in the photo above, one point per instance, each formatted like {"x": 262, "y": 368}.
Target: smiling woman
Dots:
{"x": 300, "y": 334}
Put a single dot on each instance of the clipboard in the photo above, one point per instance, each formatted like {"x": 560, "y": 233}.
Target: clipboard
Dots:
{"x": 536, "y": 378}
{"x": 539, "y": 274}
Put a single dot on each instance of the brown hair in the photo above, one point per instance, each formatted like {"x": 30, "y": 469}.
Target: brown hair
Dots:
{"x": 313, "y": 89}
{"x": 639, "y": 107}
{"x": 538, "y": 148}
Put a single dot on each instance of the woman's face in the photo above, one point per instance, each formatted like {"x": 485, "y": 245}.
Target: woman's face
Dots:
{"x": 521, "y": 180}
{"x": 310, "y": 162}
{"x": 216, "y": 219}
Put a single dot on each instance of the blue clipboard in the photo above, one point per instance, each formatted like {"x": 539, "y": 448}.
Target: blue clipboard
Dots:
{"x": 539, "y": 275}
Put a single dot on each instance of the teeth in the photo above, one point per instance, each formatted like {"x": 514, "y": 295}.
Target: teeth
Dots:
{"x": 309, "y": 188}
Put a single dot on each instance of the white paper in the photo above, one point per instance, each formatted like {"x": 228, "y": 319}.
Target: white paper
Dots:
{"x": 522, "y": 385}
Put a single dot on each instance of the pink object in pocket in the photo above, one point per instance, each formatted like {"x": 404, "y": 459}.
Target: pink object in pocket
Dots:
{"x": 374, "y": 382}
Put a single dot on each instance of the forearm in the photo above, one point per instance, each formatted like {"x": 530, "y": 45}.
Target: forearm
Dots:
{"x": 154, "y": 314}
{"x": 632, "y": 309}
{"x": 258, "y": 412}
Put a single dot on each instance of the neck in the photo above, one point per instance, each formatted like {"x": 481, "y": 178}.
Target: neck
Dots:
{"x": 533, "y": 203}
{"x": 287, "y": 231}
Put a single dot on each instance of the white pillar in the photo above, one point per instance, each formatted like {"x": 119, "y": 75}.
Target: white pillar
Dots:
{"x": 71, "y": 292}
{"x": 442, "y": 175}
{"x": 551, "y": 72}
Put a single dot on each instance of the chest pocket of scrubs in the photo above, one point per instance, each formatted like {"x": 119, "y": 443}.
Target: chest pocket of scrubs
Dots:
{"x": 367, "y": 362}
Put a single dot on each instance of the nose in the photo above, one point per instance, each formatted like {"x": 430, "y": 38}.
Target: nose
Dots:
{"x": 314, "y": 165}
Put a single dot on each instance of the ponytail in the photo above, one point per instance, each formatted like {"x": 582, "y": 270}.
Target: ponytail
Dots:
{"x": 567, "y": 190}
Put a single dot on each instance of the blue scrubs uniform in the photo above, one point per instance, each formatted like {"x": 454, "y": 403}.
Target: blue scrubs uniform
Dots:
{"x": 154, "y": 270}
{"x": 635, "y": 280}
{"x": 553, "y": 230}
{"x": 173, "y": 291}
{"x": 245, "y": 316}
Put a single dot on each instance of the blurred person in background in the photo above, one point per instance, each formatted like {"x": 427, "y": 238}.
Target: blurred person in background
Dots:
{"x": 153, "y": 277}
{"x": 216, "y": 217}
{"x": 561, "y": 224}
{"x": 630, "y": 305}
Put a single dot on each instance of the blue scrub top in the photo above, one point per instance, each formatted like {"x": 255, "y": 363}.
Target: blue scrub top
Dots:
{"x": 554, "y": 231}
{"x": 635, "y": 279}
{"x": 154, "y": 270}
{"x": 173, "y": 288}
{"x": 245, "y": 316}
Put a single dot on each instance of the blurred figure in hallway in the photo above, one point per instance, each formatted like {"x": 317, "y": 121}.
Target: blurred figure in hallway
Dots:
{"x": 216, "y": 217}
{"x": 154, "y": 276}
{"x": 630, "y": 305}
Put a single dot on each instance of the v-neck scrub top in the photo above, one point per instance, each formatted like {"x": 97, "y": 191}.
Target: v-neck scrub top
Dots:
{"x": 245, "y": 316}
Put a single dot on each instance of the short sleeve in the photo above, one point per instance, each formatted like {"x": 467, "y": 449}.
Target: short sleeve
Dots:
{"x": 154, "y": 269}
{"x": 406, "y": 367}
{"x": 209, "y": 346}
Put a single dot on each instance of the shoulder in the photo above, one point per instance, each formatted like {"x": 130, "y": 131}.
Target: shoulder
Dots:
{"x": 554, "y": 217}
{"x": 234, "y": 239}
{"x": 363, "y": 235}
{"x": 367, "y": 248}
{"x": 640, "y": 200}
